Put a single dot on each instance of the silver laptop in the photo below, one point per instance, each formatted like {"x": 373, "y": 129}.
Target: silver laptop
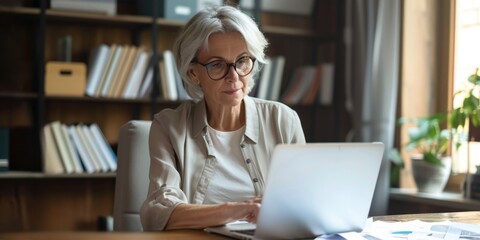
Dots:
{"x": 314, "y": 189}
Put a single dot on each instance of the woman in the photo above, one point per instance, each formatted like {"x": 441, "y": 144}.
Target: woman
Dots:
{"x": 210, "y": 156}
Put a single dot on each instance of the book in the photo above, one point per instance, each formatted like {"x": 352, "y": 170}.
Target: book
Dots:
{"x": 264, "y": 80}
{"x": 88, "y": 149}
{"x": 112, "y": 70}
{"x": 77, "y": 165}
{"x": 312, "y": 93}
{"x": 4, "y": 148}
{"x": 61, "y": 147}
{"x": 299, "y": 85}
{"x": 146, "y": 86}
{"x": 162, "y": 85}
{"x": 118, "y": 90}
{"x": 52, "y": 164}
{"x": 81, "y": 149}
{"x": 181, "y": 92}
{"x": 277, "y": 77}
{"x": 94, "y": 148}
{"x": 136, "y": 75}
{"x": 169, "y": 70}
{"x": 121, "y": 67}
{"x": 96, "y": 66}
{"x": 105, "y": 149}
{"x": 326, "y": 89}
{"x": 108, "y": 64}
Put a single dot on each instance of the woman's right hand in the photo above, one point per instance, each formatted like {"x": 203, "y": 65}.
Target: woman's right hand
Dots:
{"x": 200, "y": 216}
{"x": 247, "y": 210}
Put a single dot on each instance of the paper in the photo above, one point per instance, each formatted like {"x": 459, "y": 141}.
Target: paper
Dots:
{"x": 417, "y": 229}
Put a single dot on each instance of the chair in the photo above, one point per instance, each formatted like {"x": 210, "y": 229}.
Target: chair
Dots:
{"x": 131, "y": 184}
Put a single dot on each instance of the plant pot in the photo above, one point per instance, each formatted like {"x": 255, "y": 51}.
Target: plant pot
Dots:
{"x": 431, "y": 178}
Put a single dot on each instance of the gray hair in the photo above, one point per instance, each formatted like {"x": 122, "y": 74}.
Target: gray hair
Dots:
{"x": 195, "y": 34}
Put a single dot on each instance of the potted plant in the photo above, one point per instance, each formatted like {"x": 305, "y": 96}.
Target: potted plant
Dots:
{"x": 466, "y": 118}
{"x": 427, "y": 145}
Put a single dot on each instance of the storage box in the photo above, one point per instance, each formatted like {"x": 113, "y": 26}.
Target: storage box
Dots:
{"x": 175, "y": 9}
{"x": 65, "y": 78}
{"x": 169, "y": 9}
{"x": 108, "y": 7}
{"x": 298, "y": 7}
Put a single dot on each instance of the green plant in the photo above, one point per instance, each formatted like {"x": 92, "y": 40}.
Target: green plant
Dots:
{"x": 470, "y": 108}
{"x": 426, "y": 138}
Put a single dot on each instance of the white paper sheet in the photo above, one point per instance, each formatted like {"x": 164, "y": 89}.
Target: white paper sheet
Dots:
{"x": 417, "y": 229}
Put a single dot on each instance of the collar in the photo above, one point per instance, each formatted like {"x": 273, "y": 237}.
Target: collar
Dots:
{"x": 252, "y": 125}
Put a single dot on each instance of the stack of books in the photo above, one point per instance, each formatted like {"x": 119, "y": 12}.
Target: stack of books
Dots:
{"x": 311, "y": 84}
{"x": 76, "y": 148}
{"x": 125, "y": 71}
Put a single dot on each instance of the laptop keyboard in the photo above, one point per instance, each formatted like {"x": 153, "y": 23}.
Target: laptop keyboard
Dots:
{"x": 250, "y": 232}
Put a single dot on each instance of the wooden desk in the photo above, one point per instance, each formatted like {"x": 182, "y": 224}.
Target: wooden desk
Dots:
{"x": 179, "y": 234}
{"x": 464, "y": 217}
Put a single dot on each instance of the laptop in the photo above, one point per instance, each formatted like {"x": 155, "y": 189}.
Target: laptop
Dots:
{"x": 314, "y": 189}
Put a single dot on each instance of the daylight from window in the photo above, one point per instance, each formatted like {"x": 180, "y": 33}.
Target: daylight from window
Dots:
{"x": 466, "y": 60}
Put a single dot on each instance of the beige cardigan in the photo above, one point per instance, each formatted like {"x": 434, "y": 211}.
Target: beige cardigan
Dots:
{"x": 182, "y": 160}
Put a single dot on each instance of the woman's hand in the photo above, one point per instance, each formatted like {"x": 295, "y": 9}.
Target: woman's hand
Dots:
{"x": 201, "y": 216}
{"x": 249, "y": 209}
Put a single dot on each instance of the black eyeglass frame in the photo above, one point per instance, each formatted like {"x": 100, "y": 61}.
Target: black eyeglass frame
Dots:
{"x": 234, "y": 64}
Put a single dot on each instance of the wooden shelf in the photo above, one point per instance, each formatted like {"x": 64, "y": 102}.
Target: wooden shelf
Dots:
{"x": 19, "y": 174}
{"x": 109, "y": 100}
{"x": 77, "y": 16}
{"x": 296, "y": 32}
{"x": 140, "y": 20}
{"x": 96, "y": 100}
{"x": 18, "y": 95}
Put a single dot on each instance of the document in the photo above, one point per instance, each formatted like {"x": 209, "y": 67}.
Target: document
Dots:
{"x": 417, "y": 229}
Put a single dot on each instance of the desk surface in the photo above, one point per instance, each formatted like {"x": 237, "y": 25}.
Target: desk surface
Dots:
{"x": 464, "y": 217}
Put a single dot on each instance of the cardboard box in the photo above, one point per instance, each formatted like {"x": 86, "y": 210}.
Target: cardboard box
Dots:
{"x": 65, "y": 79}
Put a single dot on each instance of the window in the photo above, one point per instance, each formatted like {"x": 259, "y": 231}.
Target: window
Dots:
{"x": 466, "y": 60}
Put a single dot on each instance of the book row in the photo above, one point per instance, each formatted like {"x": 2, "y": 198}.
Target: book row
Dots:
{"x": 78, "y": 148}
{"x": 310, "y": 84}
{"x": 125, "y": 71}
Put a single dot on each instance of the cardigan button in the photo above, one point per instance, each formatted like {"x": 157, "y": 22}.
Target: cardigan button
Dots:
{"x": 249, "y": 160}
{"x": 255, "y": 180}
{"x": 242, "y": 145}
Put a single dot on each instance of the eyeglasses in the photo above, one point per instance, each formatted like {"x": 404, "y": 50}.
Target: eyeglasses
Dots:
{"x": 218, "y": 69}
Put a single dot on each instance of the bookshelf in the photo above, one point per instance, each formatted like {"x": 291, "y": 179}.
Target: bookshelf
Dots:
{"x": 31, "y": 200}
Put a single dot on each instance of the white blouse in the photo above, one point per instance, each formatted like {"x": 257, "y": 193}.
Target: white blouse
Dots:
{"x": 230, "y": 181}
